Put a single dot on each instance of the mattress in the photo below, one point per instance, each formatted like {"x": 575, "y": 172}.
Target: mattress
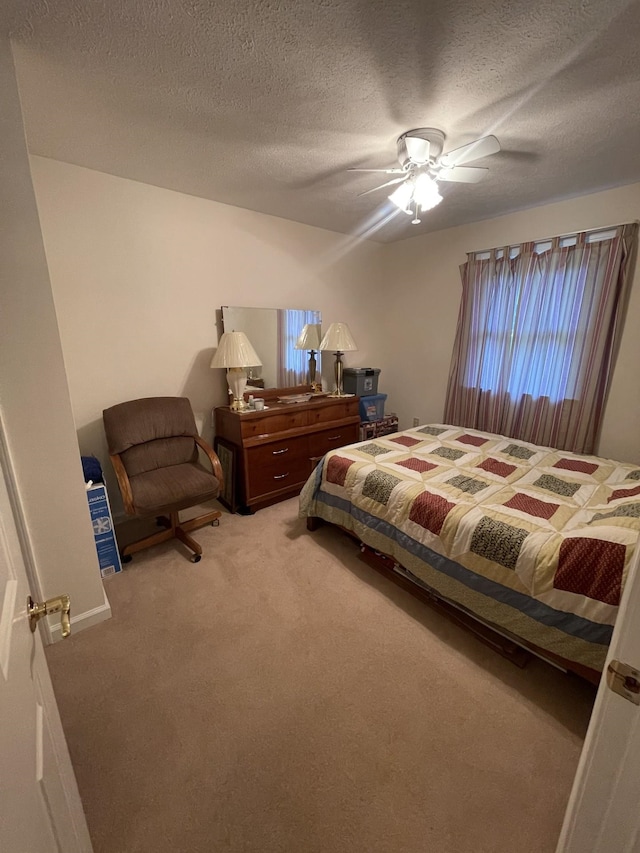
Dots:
{"x": 534, "y": 541}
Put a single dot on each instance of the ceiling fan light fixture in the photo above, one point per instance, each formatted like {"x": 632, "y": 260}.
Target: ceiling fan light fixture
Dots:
{"x": 402, "y": 196}
{"x": 431, "y": 204}
{"x": 423, "y": 166}
{"x": 426, "y": 192}
{"x": 430, "y": 201}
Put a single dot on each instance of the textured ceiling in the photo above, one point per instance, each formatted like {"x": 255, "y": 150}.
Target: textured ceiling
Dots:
{"x": 265, "y": 104}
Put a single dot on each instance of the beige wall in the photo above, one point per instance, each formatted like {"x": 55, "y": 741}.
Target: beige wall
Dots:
{"x": 139, "y": 272}
{"x": 36, "y": 416}
{"x": 424, "y": 282}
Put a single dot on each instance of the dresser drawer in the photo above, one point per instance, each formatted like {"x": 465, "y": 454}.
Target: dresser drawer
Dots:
{"x": 254, "y": 425}
{"x": 277, "y": 465}
{"x": 334, "y": 411}
{"x": 329, "y": 439}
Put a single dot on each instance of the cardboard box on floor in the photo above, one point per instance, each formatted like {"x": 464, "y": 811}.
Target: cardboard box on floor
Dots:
{"x": 103, "y": 532}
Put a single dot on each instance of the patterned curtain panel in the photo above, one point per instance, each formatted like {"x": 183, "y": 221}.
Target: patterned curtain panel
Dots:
{"x": 537, "y": 336}
{"x": 293, "y": 363}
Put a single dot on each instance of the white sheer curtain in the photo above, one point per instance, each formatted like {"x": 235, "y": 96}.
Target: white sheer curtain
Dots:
{"x": 536, "y": 339}
{"x": 293, "y": 363}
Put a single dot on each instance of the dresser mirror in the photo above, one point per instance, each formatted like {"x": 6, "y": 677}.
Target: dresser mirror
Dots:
{"x": 273, "y": 333}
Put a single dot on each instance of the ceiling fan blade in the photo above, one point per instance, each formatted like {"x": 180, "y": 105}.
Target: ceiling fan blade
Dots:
{"x": 463, "y": 174}
{"x": 384, "y": 171}
{"x": 388, "y": 184}
{"x": 472, "y": 151}
{"x": 417, "y": 149}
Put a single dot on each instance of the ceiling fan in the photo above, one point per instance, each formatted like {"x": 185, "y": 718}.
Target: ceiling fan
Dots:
{"x": 423, "y": 165}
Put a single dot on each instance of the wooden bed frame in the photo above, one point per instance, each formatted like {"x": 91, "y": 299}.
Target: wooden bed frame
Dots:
{"x": 515, "y": 649}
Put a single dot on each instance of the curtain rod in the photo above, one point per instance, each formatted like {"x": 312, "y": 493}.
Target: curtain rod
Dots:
{"x": 560, "y": 236}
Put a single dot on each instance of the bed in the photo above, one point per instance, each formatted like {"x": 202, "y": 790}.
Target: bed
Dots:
{"x": 532, "y": 542}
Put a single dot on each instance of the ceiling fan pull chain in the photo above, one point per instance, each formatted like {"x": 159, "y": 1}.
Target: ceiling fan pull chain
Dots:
{"x": 415, "y": 220}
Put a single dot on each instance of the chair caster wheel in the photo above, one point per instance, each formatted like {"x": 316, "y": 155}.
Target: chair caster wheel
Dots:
{"x": 126, "y": 558}
{"x": 195, "y": 558}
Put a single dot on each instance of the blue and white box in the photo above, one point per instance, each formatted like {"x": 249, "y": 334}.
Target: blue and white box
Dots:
{"x": 103, "y": 532}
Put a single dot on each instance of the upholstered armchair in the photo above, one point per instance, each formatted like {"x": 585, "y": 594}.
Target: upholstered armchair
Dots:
{"x": 154, "y": 447}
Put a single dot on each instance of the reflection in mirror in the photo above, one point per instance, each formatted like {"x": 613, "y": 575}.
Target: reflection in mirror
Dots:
{"x": 273, "y": 332}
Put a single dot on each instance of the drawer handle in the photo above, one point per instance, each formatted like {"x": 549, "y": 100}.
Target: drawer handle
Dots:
{"x": 279, "y": 452}
{"x": 280, "y": 476}
{"x": 333, "y": 437}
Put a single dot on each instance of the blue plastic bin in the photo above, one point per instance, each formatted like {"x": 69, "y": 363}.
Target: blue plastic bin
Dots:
{"x": 372, "y": 407}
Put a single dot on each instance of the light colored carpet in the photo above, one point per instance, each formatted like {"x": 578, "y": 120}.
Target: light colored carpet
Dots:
{"x": 282, "y": 697}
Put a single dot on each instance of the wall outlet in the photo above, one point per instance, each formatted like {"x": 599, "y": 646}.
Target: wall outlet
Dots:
{"x": 416, "y": 421}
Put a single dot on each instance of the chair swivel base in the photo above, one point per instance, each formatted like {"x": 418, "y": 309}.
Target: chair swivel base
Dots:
{"x": 174, "y": 529}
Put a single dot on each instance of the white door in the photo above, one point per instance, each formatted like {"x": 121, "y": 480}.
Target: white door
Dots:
{"x": 40, "y": 809}
{"x": 603, "y": 815}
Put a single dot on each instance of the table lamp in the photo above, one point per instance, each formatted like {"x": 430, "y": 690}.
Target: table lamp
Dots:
{"x": 235, "y": 353}
{"x": 339, "y": 340}
{"x": 309, "y": 339}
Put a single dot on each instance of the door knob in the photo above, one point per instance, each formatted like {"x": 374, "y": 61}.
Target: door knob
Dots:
{"x": 61, "y": 604}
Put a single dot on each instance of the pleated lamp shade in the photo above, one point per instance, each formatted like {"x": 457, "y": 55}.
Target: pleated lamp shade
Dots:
{"x": 235, "y": 350}
{"x": 310, "y": 337}
{"x": 235, "y": 353}
{"x": 338, "y": 338}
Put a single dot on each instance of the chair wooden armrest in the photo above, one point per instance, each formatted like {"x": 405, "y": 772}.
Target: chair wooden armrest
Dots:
{"x": 213, "y": 458}
{"x": 123, "y": 482}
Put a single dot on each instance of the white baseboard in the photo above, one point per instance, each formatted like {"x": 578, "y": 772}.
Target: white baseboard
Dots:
{"x": 80, "y": 621}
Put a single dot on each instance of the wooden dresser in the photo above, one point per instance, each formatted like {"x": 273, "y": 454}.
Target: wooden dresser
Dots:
{"x": 275, "y": 450}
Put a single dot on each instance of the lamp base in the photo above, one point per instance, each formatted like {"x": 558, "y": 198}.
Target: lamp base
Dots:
{"x": 338, "y": 374}
{"x": 312, "y": 367}
{"x": 237, "y": 381}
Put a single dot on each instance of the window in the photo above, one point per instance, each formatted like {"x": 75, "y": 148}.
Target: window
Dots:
{"x": 533, "y": 324}
{"x": 536, "y": 334}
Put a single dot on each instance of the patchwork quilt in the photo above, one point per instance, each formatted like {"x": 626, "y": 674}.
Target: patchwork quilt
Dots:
{"x": 534, "y": 540}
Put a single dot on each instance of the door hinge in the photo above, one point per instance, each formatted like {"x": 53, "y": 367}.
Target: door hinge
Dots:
{"x": 624, "y": 680}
